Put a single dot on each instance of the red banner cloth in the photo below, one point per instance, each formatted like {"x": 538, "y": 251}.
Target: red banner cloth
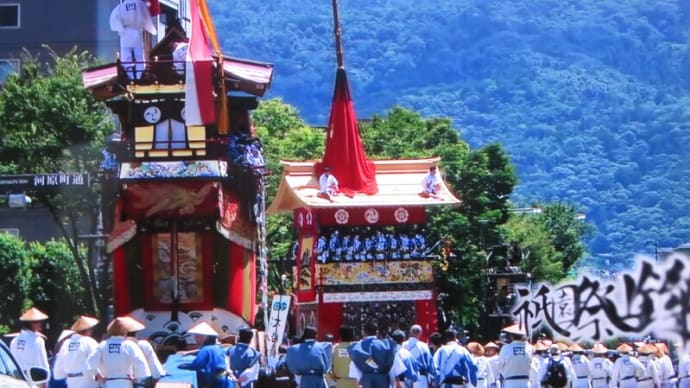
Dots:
{"x": 344, "y": 152}
{"x": 200, "y": 106}
{"x": 154, "y": 7}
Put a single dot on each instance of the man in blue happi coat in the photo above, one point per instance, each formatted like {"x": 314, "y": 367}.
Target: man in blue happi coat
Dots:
{"x": 310, "y": 360}
{"x": 372, "y": 359}
{"x": 422, "y": 356}
{"x": 404, "y": 371}
{"x": 244, "y": 360}
{"x": 456, "y": 368}
{"x": 209, "y": 362}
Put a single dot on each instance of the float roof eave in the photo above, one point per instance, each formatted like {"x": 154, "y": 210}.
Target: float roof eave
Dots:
{"x": 399, "y": 183}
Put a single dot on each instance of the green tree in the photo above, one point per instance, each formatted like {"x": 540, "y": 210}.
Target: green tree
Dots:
{"x": 55, "y": 284}
{"x": 541, "y": 259}
{"x": 14, "y": 282}
{"x": 482, "y": 178}
{"x": 285, "y": 136}
{"x": 52, "y": 124}
{"x": 552, "y": 240}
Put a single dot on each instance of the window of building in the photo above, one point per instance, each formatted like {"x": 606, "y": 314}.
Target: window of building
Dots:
{"x": 9, "y": 15}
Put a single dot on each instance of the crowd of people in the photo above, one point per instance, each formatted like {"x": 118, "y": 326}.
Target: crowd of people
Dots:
{"x": 446, "y": 361}
{"x": 123, "y": 361}
{"x": 80, "y": 360}
{"x": 398, "y": 360}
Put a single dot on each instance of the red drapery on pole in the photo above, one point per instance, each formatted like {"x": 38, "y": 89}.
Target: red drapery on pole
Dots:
{"x": 154, "y": 7}
{"x": 200, "y": 106}
{"x": 344, "y": 152}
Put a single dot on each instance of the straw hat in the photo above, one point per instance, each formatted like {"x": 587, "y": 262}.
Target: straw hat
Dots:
{"x": 599, "y": 349}
{"x": 561, "y": 346}
{"x": 122, "y": 325}
{"x": 84, "y": 323}
{"x": 516, "y": 329}
{"x": 475, "y": 348}
{"x": 203, "y": 328}
{"x": 647, "y": 349}
{"x": 661, "y": 348}
{"x": 490, "y": 345}
{"x": 32, "y": 315}
{"x": 540, "y": 346}
{"x": 547, "y": 342}
{"x": 624, "y": 348}
{"x": 65, "y": 334}
{"x": 575, "y": 348}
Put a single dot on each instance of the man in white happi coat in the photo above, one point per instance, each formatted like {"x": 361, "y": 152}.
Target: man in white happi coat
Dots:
{"x": 580, "y": 364}
{"x": 130, "y": 19}
{"x": 71, "y": 362}
{"x": 491, "y": 354}
{"x": 540, "y": 354}
{"x": 600, "y": 367}
{"x": 29, "y": 347}
{"x": 556, "y": 355}
{"x": 120, "y": 361}
{"x": 627, "y": 369}
{"x": 485, "y": 377}
{"x": 651, "y": 377}
{"x": 666, "y": 372}
{"x": 684, "y": 369}
{"x": 515, "y": 359}
{"x": 422, "y": 356}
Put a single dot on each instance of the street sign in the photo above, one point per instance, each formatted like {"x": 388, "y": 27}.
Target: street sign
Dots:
{"x": 43, "y": 182}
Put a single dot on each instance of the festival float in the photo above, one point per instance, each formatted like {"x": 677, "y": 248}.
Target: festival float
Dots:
{"x": 183, "y": 182}
{"x": 361, "y": 254}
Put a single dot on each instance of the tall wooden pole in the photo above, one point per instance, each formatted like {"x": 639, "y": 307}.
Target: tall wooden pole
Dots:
{"x": 338, "y": 36}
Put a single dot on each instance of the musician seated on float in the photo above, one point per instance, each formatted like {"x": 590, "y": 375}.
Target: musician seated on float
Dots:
{"x": 328, "y": 185}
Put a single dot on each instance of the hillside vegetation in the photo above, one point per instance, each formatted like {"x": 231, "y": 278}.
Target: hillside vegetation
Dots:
{"x": 589, "y": 98}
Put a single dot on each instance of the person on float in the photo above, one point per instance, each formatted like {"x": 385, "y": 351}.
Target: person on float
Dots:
{"x": 328, "y": 184}
{"x": 485, "y": 376}
{"x": 422, "y": 356}
{"x": 431, "y": 185}
{"x": 130, "y": 19}
{"x": 29, "y": 347}
{"x": 515, "y": 359}
{"x": 580, "y": 364}
{"x": 627, "y": 369}
{"x": 244, "y": 360}
{"x": 71, "y": 363}
{"x": 310, "y": 360}
{"x": 340, "y": 369}
{"x": 404, "y": 372}
{"x": 491, "y": 354}
{"x": 119, "y": 361}
{"x": 651, "y": 376}
{"x": 58, "y": 382}
{"x": 600, "y": 367}
{"x": 455, "y": 366}
{"x": 372, "y": 359}
{"x": 210, "y": 363}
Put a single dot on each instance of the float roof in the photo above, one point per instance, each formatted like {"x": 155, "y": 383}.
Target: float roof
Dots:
{"x": 399, "y": 184}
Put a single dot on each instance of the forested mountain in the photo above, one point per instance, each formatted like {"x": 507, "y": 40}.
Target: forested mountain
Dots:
{"x": 589, "y": 98}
